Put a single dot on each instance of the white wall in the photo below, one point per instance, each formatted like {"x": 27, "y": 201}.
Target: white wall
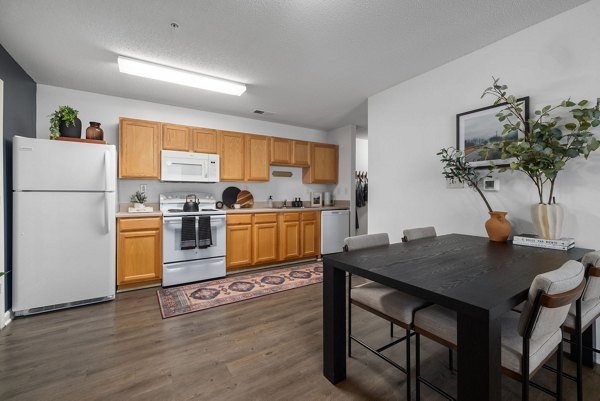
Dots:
{"x": 345, "y": 137}
{"x": 362, "y": 154}
{"x": 410, "y": 122}
{"x": 362, "y": 164}
{"x": 108, "y": 109}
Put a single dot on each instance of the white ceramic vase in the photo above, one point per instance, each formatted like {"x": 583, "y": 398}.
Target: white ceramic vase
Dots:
{"x": 138, "y": 205}
{"x": 548, "y": 220}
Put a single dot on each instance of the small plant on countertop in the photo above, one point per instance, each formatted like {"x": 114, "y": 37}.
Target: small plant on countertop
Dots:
{"x": 138, "y": 197}
{"x": 456, "y": 168}
{"x": 64, "y": 114}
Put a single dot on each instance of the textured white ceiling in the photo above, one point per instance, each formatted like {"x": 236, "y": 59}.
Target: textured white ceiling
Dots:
{"x": 312, "y": 63}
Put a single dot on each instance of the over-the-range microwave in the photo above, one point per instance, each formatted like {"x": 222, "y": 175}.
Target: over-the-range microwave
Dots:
{"x": 188, "y": 167}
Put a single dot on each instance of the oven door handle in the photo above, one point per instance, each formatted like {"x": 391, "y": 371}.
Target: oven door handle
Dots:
{"x": 171, "y": 220}
{"x": 176, "y": 219}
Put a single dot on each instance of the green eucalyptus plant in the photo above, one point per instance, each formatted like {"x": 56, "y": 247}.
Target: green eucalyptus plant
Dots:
{"x": 546, "y": 142}
{"x": 64, "y": 114}
{"x": 138, "y": 197}
{"x": 455, "y": 167}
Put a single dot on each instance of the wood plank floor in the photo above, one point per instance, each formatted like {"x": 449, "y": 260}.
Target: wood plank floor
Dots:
{"x": 266, "y": 348}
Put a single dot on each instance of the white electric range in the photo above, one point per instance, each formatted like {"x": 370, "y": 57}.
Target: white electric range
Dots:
{"x": 185, "y": 264}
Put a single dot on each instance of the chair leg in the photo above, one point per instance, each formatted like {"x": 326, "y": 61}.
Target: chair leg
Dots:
{"x": 559, "y": 373}
{"x": 451, "y": 359}
{"x": 418, "y": 364}
{"x": 391, "y": 329}
{"x": 349, "y": 315}
{"x": 408, "y": 375}
{"x": 579, "y": 350}
{"x": 525, "y": 371}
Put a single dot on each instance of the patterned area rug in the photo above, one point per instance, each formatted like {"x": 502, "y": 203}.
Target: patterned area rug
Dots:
{"x": 188, "y": 298}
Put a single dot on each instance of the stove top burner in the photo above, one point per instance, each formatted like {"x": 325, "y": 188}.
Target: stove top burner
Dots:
{"x": 175, "y": 210}
{"x": 208, "y": 210}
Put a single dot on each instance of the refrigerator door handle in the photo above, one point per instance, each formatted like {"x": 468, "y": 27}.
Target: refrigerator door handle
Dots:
{"x": 107, "y": 221}
{"x": 107, "y": 170}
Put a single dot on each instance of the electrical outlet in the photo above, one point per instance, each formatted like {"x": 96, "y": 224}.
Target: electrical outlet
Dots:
{"x": 454, "y": 184}
{"x": 143, "y": 188}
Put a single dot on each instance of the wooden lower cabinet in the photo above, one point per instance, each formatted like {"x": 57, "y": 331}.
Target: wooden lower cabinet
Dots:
{"x": 310, "y": 229}
{"x": 255, "y": 239}
{"x": 239, "y": 241}
{"x": 264, "y": 238}
{"x": 139, "y": 252}
{"x": 289, "y": 236}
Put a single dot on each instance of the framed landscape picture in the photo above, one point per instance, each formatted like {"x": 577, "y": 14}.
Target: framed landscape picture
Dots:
{"x": 477, "y": 128}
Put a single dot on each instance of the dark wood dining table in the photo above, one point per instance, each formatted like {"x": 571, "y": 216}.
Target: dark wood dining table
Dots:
{"x": 478, "y": 278}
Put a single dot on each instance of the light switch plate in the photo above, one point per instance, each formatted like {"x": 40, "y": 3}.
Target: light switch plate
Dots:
{"x": 491, "y": 184}
{"x": 143, "y": 188}
{"x": 454, "y": 184}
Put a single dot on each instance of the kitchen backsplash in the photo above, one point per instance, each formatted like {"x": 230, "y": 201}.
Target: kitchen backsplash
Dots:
{"x": 279, "y": 187}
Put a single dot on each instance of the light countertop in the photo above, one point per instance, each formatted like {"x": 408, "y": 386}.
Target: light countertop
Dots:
{"x": 284, "y": 210}
{"x": 123, "y": 212}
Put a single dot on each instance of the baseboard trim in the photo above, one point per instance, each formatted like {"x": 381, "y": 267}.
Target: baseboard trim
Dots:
{"x": 5, "y": 319}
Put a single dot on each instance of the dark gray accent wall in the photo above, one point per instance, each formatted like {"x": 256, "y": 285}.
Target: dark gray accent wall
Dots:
{"x": 19, "y": 119}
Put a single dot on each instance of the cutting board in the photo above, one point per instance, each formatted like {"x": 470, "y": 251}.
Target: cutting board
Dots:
{"x": 230, "y": 196}
{"x": 245, "y": 199}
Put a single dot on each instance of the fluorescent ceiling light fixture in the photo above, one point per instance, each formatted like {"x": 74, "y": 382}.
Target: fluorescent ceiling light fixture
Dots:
{"x": 181, "y": 77}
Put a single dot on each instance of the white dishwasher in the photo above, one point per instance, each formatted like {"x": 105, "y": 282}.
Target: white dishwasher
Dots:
{"x": 335, "y": 227}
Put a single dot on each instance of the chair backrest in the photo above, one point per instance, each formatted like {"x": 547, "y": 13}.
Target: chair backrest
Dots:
{"x": 550, "y": 297}
{"x": 417, "y": 233}
{"x": 365, "y": 241}
{"x": 591, "y": 262}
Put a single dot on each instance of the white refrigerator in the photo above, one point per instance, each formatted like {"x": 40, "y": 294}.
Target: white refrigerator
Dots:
{"x": 64, "y": 205}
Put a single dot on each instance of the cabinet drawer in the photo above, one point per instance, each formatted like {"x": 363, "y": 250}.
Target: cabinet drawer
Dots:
{"x": 291, "y": 217}
{"x": 265, "y": 218}
{"x": 147, "y": 223}
{"x": 233, "y": 219}
{"x": 309, "y": 216}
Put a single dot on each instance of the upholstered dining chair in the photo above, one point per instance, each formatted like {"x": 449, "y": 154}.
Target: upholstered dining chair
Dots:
{"x": 412, "y": 234}
{"x": 583, "y": 314}
{"x": 529, "y": 339}
{"x": 392, "y": 305}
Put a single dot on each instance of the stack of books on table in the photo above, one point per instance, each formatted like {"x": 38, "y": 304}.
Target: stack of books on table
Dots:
{"x": 562, "y": 244}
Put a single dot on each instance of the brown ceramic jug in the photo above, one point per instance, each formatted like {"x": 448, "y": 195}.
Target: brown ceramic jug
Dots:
{"x": 94, "y": 131}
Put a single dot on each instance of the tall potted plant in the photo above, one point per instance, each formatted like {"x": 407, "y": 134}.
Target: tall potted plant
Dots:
{"x": 545, "y": 145}
{"x": 455, "y": 167}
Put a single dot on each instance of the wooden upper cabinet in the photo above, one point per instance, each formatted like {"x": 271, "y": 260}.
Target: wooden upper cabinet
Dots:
{"x": 204, "y": 140}
{"x": 175, "y": 137}
{"x": 233, "y": 150}
{"x": 257, "y": 158}
{"x": 323, "y": 164}
{"x": 300, "y": 154}
{"x": 139, "y": 148}
{"x": 281, "y": 151}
